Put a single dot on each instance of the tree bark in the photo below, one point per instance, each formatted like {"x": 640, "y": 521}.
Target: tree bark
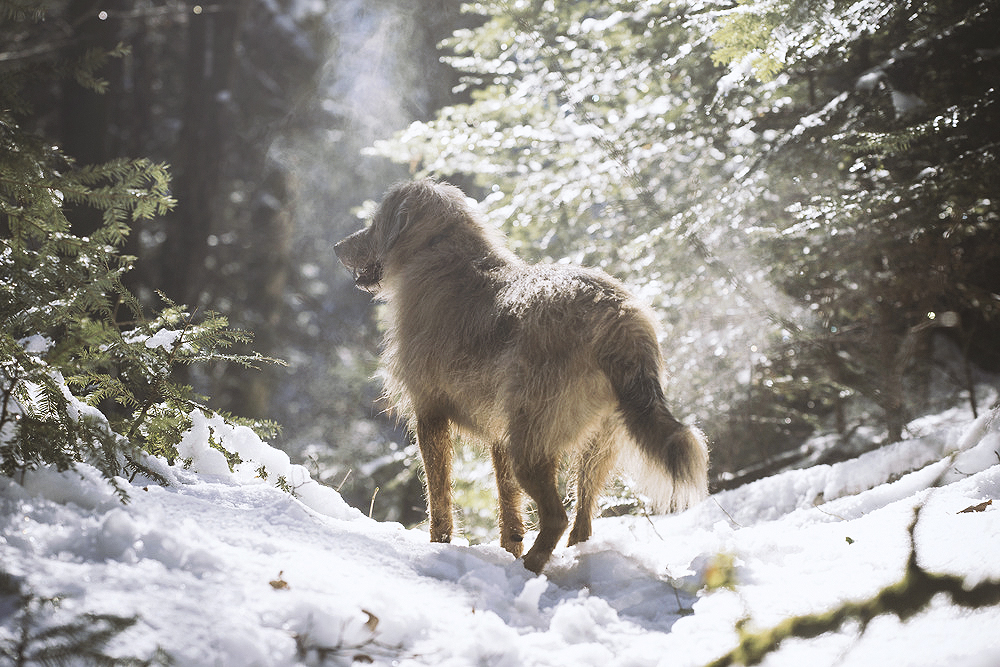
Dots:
{"x": 199, "y": 163}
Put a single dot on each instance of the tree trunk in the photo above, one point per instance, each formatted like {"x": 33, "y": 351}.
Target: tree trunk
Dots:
{"x": 203, "y": 139}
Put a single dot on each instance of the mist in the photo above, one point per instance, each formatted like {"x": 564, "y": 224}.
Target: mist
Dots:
{"x": 381, "y": 72}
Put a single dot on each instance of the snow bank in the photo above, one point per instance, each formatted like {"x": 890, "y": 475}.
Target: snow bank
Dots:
{"x": 222, "y": 568}
{"x": 258, "y": 462}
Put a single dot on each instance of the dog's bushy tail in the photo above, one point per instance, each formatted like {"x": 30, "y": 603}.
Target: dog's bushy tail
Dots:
{"x": 670, "y": 461}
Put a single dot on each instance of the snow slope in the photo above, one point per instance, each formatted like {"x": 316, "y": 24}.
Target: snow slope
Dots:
{"x": 224, "y": 569}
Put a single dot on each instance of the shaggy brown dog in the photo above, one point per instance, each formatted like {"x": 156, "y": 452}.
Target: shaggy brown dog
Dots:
{"x": 539, "y": 362}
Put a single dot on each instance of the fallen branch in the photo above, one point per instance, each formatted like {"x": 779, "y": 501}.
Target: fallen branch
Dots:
{"x": 903, "y": 599}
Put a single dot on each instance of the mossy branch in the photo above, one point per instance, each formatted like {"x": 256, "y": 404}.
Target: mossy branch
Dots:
{"x": 903, "y": 599}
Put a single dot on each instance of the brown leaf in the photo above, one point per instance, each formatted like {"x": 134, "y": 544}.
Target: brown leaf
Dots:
{"x": 981, "y": 507}
{"x": 372, "y": 621}
{"x": 279, "y": 584}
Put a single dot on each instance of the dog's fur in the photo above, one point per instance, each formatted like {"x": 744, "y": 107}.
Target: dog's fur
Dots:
{"x": 537, "y": 361}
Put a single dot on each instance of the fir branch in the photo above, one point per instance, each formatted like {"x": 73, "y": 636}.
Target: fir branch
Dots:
{"x": 42, "y": 638}
{"x": 17, "y": 11}
{"x": 68, "y": 288}
{"x": 160, "y": 381}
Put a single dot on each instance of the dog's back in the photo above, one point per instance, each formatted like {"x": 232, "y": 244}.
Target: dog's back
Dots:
{"x": 485, "y": 340}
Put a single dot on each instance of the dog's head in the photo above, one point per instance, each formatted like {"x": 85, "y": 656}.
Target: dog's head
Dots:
{"x": 411, "y": 216}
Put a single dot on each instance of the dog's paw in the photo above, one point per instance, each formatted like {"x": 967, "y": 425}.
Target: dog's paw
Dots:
{"x": 534, "y": 561}
{"x": 513, "y": 543}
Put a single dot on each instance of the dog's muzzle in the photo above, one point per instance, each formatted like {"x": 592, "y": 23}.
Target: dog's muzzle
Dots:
{"x": 368, "y": 277}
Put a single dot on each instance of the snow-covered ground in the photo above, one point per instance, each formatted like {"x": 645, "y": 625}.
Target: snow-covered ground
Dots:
{"x": 224, "y": 569}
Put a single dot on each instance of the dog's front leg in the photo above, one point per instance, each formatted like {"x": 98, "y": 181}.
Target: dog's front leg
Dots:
{"x": 434, "y": 440}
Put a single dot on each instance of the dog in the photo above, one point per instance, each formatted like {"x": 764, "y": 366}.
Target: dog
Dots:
{"x": 538, "y": 362}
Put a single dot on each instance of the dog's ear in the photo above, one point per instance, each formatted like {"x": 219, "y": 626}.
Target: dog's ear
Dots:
{"x": 398, "y": 220}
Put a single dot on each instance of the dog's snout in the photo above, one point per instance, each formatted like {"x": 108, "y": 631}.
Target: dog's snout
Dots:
{"x": 340, "y": 249}
{"x": 348, "y": 250}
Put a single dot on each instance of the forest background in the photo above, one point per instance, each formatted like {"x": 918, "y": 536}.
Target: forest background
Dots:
{"x": 806, "y": 191}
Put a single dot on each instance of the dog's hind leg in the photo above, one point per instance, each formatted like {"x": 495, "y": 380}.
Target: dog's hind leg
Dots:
{"x": 593, "y": 467}
{"x": 535, "y": 469}
{"x": 434, "y": 441}
{"x": 540, "y": 483}
{"x": 509, "y": 492}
